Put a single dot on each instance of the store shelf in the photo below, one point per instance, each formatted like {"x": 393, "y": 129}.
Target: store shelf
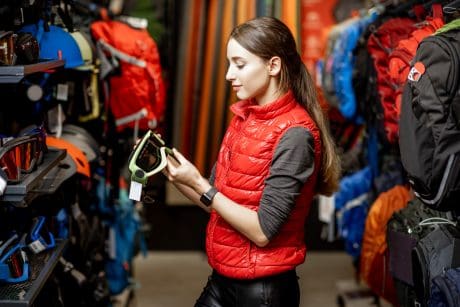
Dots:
{"x": 56, "y": 176}
{"x": 37, "y": 182}
{"x": 14, "y": 74}
{"x": 41, "y": 266}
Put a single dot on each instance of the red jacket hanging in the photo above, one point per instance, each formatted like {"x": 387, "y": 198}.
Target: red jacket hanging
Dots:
{"x": 137, "y": 93}
{"x": 243, "y": 164}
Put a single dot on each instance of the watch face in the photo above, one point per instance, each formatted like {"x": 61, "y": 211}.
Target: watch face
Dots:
{"x": 206, "y": 198}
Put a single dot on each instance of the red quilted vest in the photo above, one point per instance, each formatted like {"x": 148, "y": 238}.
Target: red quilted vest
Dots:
{"x": 243, "y": 164}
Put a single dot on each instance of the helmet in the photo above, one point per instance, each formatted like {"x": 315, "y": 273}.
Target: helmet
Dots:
{"x": 87, "y": 51}
{"x": 81, "y": 138}
{"x": 84, "y": 146}
{"x": 77, "y": 155}
{"x": 54, "y": 42}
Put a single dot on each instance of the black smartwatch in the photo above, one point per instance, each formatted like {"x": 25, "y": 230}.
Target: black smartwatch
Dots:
{"x": 207, "y": 197}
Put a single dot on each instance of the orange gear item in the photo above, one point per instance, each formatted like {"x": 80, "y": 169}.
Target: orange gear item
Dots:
{"x": 374, "y": 265}
{"x": 77, "y": 155}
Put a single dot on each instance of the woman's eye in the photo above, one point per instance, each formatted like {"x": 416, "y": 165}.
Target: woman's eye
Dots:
{"x": 240, "y": 65}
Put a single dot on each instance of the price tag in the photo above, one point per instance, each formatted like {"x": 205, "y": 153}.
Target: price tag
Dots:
{"x": 62, "y": 92}
{"x": 326, "y": 208}
{"x": 135, "y": 191}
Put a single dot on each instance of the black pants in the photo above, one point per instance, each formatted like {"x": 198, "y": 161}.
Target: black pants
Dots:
{"x": 276, "y": 291}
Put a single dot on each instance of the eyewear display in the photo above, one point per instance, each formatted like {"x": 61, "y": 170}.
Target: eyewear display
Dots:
{"x": 21, "y": 155}
{"x": 148, "y": 158}
{"x": 14, "y": 267}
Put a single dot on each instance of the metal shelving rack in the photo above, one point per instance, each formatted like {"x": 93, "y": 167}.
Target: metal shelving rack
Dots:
{"x": 37, "y": 182}
{"x": 14, "y": 74}
{"x": 46, "y": 179}
{"x": 41, "y": 265}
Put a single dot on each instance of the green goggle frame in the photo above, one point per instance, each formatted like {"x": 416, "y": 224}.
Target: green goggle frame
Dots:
{"x": 148, "y": 158}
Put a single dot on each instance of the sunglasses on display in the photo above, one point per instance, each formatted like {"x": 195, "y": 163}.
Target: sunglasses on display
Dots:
{"x": 148, "y": 158}
{"x": 14, "y": 267}
{"x": 21, "y": 155}
{"x": 39, "y": 238}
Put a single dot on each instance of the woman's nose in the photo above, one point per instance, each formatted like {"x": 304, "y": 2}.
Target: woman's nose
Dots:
{"x": 229, "y": 75}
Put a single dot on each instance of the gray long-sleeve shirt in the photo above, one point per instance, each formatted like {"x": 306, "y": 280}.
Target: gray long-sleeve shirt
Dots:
{"x": 292, "y": 165}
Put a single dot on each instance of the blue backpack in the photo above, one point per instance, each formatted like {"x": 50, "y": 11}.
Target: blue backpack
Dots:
{"x": 351, "y": 205}
{"x": 125, "y": 237}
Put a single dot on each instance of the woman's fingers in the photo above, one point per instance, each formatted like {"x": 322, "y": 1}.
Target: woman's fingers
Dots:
{"x": 180, "y": 158}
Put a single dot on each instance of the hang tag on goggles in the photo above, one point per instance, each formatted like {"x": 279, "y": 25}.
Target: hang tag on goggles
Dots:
{"x": 135, "y": 191}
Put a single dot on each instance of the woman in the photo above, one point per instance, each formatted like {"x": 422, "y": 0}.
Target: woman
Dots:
{"x": 275, "y": 156}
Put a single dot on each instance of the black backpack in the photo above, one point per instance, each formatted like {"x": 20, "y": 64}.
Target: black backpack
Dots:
{"x": 445, "y": 291}
{"x": 405, "y": 229}
{"x": 429, "y": 132}
{"x": 433, "y": 255}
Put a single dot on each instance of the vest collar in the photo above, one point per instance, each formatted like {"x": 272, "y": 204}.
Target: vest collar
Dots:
{"x": 270, "y": 110}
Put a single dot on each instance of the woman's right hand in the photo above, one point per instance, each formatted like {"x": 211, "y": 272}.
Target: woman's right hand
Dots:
{"x": 184, "y": 172}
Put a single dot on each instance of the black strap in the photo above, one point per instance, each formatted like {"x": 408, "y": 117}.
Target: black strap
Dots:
{"x": 455, "y": 108}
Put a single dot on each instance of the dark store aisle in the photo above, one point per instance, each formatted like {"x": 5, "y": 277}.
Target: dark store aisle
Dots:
{"x": 175, "y": 279}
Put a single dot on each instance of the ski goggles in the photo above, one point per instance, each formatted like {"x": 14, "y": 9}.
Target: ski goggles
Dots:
{"x": 148, "y": 158}
{"x": 14, "y": 266}
{"x": 39, "y": 238}
{"x": 21, "y": 155}
{"x": 7, "y": 55}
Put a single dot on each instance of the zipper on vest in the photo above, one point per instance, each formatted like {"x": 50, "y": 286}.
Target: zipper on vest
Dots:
{"x": 232, "y": 148}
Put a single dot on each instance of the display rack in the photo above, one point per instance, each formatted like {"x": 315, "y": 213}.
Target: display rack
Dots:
{"x": 41, "y": 266}
{"x": 14, "y": 74}
{"x": 37, "y": 182}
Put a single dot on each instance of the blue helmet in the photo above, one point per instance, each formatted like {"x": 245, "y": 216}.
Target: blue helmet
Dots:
{"x": 54, "y": 42}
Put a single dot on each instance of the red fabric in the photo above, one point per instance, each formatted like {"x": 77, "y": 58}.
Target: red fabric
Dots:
{"x": 401, "y": 56}
{"x": 243, "y": 164}
{"x": 380, "y": 45}
{"x": 374, "y": 262}
{"x": 135, "y": 87}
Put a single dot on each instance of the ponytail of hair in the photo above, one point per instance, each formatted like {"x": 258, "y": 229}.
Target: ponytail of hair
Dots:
{"x": 330, "y": 170}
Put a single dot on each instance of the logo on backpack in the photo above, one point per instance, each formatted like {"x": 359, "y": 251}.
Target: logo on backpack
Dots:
{"x": 416, "y": 72}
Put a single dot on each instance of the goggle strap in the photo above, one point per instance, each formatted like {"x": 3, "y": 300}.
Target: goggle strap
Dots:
{"x": 23, "y": 277}
{"x": 4, "y": 271}
{"x": 5, "y": 244}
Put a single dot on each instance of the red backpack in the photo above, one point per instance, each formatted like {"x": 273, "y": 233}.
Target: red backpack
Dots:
{"x": 137, "y": 92}
{"x": 380, "y": 45}
{"x": 403, "y": 54}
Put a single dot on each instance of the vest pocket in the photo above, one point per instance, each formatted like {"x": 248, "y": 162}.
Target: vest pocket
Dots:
{"x": 230, "y": 248}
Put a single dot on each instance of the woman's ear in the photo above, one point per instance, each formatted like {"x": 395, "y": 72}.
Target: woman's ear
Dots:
{"x": 274, "y": 66}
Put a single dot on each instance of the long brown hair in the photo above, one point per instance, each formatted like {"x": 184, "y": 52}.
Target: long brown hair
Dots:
{"x": 267, "y": 37}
